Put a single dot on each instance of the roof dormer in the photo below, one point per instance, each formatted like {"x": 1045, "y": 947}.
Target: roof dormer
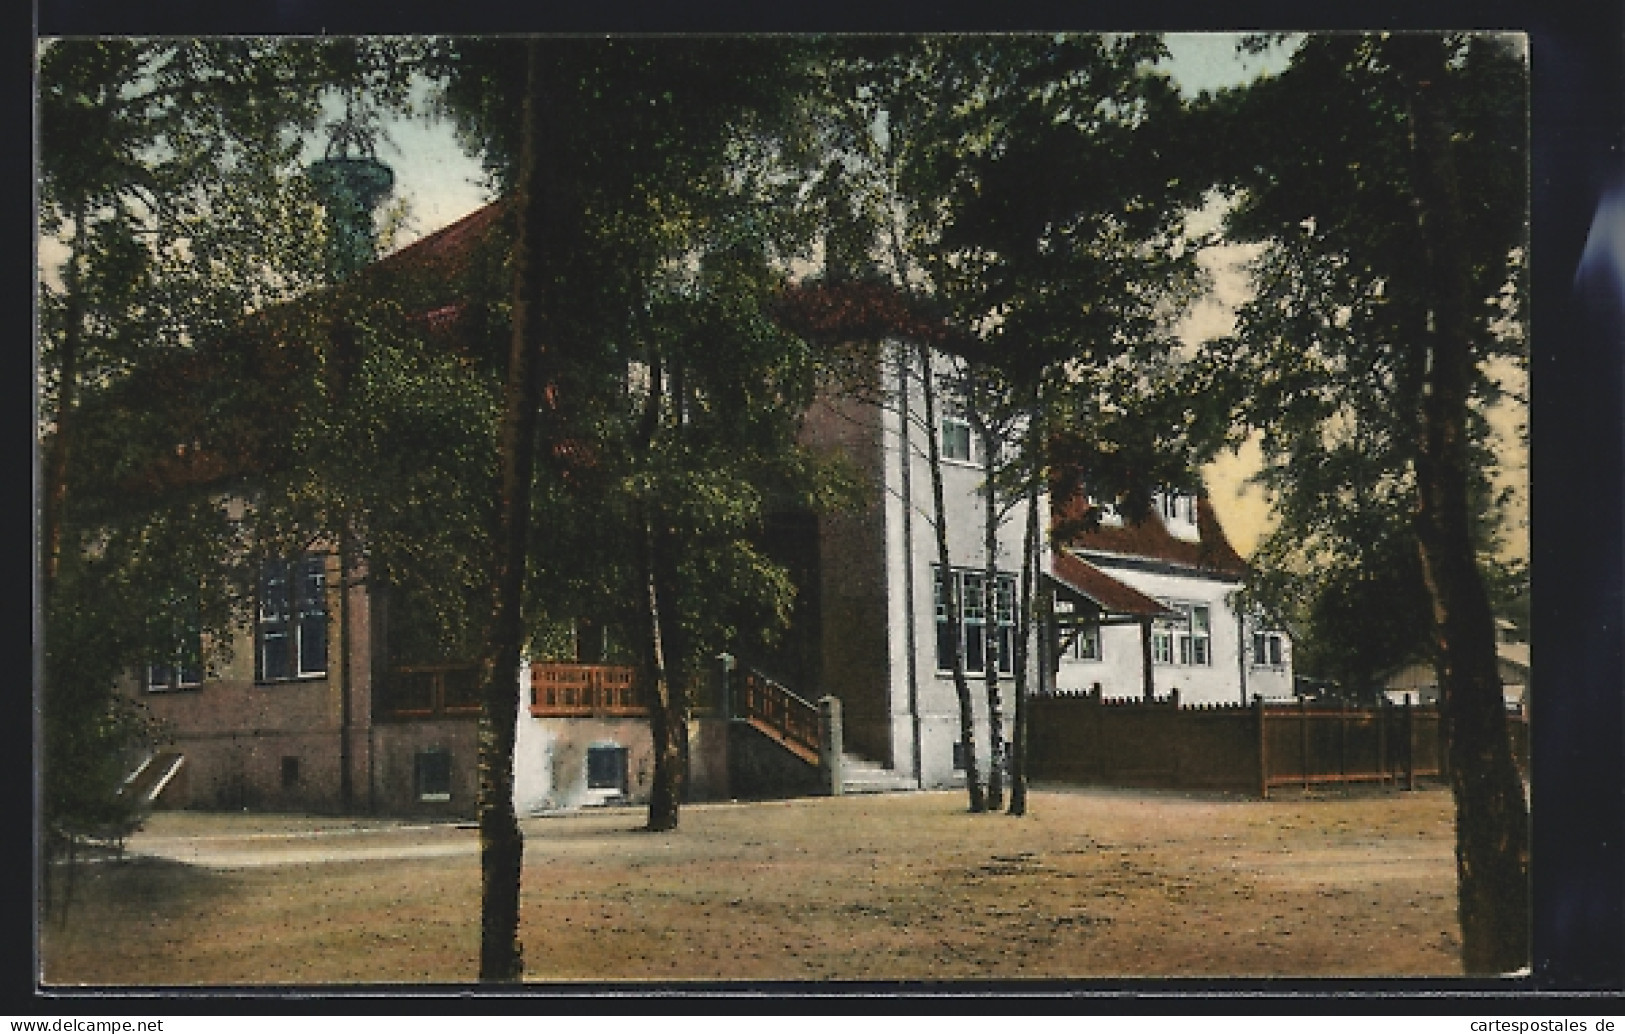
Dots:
{"x": 1178, "y": 511}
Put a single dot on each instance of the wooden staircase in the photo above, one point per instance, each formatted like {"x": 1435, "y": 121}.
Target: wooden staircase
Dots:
{"x": 783, "y": 717}
{"x": 792, "y": 723}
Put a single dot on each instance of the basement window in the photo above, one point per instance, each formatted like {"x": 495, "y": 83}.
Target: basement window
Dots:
{"x": 432, "y": 775}
{"x": 606, "y": 768}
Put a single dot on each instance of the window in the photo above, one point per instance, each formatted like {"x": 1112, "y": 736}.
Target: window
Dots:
{"x": 431, "y": 770}
{"x": 1177, "y": 507}
{"x": 290, "y": 773}
{"x": 1086, "y": 642}
{"x": 292, "y": 628}
{"x": 1186, "y": 639}
{"x": 979, "y": 638}
{"x": 183, "y": 668}
{"x": 606, "y": 768}
{"x": 959, "y": 755}
{"x": 1003, "y": 637}
{"x": 1267, "y": 650}
{"x": 1196, "y": 640}
{"x": 973, "y": 611}
{"x": 956, "y": 438}
{"x": 1162, "y": 641}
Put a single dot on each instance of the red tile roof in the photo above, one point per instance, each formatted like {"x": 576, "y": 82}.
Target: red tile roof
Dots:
{"x": 1150, "y": 539}
{"x": 268, "y": 352}
{"x": 1102, "y": 589}
{"x": 445, "y": 249}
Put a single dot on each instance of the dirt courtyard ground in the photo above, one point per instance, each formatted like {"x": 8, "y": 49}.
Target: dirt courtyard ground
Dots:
{"x": 1093, "y": 883}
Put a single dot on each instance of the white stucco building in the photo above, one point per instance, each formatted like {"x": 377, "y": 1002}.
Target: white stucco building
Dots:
{"x": 1184, "y": 627}
{"x": 1161, "y": 589}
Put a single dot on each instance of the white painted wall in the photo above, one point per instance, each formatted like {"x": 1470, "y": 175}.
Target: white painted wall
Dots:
{"x": 532, "y": 755}
{"x": 938, "y": 704}
{"x": 1119, "y": 669}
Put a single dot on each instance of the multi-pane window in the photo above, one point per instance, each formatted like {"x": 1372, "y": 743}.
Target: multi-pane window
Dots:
{"x": 973, "y": 612}
{"x": 1196, "y": 639}
{"x": 182, "y": 667}
{"x": 1003, "y": 631}
{"x": 981, "y": 637}
{"x": 178, "y": 662}
{"x": 292, "y": 627}
{"x": 956, "y": 438}
{"x": 1177, "y": 507}
{"x": 1267, "y": 650}
{"x": 1162, "y": 641}
{"x": 1186, "y": 639}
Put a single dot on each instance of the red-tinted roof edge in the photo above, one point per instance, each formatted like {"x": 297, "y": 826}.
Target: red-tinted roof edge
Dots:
{"x": 1102, "y": 589}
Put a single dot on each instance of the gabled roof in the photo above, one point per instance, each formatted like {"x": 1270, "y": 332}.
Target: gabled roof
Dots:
{"x": 447, "y": 249}
{"x": 266, "y": 360}
{"x": 1150, "y": 539}
{"x": 1101, "y": 589}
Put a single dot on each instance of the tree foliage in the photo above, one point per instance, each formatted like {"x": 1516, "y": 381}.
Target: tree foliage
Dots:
{"x": 172, "y": 205}
{"x": 1036, "y": 189}
{"x": 1326, "y": 351}
{"x": 1386, "y": 178}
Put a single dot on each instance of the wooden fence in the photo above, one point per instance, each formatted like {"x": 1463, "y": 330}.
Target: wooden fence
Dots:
{"x": 1082, "y": 738}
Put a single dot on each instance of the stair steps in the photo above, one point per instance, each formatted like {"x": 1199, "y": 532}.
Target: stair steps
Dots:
{"x": 149, "y": 780}
{"x": 860, "y": 775}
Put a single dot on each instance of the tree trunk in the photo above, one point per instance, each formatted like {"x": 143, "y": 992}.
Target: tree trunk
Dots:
{"x": 967, "y": 717}
{"x": 1024, "y": 629}
{"x": 668, "y": 724}
{"x": 56, "y": 460}
{"x": 1492, "y": 835}
{"x": 501, "y": 844}
{"x": 990, "y": 620}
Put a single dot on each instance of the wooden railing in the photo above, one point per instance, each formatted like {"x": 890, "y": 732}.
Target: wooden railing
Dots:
{"x": 776, "y": 709}
{"x": 584, "y": 690}
{"x": 432, "y": 691}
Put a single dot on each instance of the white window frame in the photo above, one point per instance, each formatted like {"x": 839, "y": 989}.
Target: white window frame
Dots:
{"x": 301, "y": 602}
{"x": 183, "y": 668}
{"x": 1176, "y": 642}
{"x": 1269, "y": 651}
{"x": 973, "y": 614}
{"x": 1178, "y": 506}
